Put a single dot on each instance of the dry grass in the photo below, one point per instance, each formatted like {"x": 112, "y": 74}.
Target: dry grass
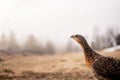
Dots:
{"x": 54, "y": 67}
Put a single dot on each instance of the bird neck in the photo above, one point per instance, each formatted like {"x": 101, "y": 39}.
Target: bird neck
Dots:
{"x": 87, "y": 50}
{"x": 89, "y": 54}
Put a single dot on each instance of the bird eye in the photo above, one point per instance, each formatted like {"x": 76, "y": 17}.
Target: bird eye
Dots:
{"x": 76, "y": 35}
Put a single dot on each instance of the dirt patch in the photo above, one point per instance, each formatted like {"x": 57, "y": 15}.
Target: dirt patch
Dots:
{"x": 29, "y": 75}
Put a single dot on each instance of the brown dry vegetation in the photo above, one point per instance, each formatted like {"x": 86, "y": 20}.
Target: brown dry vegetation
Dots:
{"x": 48, "y": 67}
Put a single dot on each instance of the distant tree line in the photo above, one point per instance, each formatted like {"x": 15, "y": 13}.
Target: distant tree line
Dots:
{"x": 109, "y": 38}
{"x": 99, "y": 40}
{"x": 10, "y": 45}
{"x": 72, "y": 47}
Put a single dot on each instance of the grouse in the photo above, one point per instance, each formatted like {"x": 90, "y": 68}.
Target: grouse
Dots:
{"x": 103, "y": 68}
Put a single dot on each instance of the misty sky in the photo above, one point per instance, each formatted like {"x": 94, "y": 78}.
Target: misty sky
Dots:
{"x": 56, "y": 20}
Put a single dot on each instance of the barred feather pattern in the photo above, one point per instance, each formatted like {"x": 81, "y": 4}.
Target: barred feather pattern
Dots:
{"x": 103, "y": 68}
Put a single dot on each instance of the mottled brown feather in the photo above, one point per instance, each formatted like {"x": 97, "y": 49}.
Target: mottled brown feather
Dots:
{"x": 103, "y": 68}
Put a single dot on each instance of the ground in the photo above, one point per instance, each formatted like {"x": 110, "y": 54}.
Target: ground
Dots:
{"x": 46, "y": 67}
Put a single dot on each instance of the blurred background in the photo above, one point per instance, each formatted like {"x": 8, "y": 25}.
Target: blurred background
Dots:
{"x": 42, "y": 27}
{"x": 45, "y": 26}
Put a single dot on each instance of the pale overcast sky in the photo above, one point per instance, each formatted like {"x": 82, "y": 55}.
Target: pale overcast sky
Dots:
{"x": 57, "y": 19}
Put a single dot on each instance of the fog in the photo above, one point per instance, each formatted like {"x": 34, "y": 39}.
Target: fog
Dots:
{"x": 57, "y": 20}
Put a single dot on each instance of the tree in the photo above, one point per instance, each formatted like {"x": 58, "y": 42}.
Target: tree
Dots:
{"x": 101, "y": 41}
{"x": 13, "y": 45}
{"x": 3, "y": 43}
{"x": 50, "y": 48}
{"x": 32, "y": 45}
{"x": 96, "y": 40}
{"x": 110, "y": 34}
{"x": 117, "y": 39}
{"x": 69, "y": 47}
{"x": 117, "y": 36}
{"x": 72, "y": 48}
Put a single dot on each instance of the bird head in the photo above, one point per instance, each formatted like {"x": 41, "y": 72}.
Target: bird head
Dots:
{"x": 79, "y": 38}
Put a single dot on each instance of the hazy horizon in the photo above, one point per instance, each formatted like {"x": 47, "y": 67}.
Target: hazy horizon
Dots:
{"x": 57, "y": 20}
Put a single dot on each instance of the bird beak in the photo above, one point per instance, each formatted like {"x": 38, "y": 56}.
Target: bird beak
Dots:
{"x": 72, "y": 36}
